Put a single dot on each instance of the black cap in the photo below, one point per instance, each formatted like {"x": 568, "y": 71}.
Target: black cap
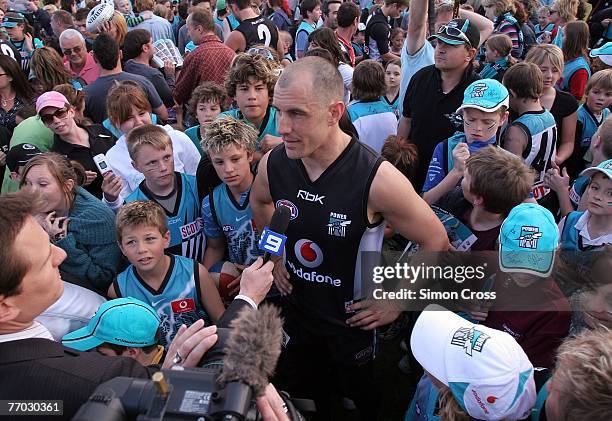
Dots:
{"x": 19, "y": 155}
{"x": 451, "y": 33}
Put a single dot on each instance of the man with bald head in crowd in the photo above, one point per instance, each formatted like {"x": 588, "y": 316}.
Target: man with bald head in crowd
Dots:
{"x": 340, "y": 192}
{"x": 76, "y": 58}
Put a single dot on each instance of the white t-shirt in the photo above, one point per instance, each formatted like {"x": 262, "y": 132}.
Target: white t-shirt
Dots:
{"x": 347, "y": 77}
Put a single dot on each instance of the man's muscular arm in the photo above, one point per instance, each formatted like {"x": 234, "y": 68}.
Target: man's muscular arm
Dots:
{"x": 262, "y": 205}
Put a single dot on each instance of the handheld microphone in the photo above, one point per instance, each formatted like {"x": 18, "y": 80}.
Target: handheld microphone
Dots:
{"x": 251, "y": 354}
{"x": 272, "y": 238}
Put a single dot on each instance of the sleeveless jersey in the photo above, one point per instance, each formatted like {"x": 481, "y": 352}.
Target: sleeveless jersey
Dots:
{"x": 176, "y": 302}
{"x": 8, "y": 49}
{"x": 571, "y": 67}
{"x": 538, "y": 30}
{"x": 232, "y": 22}
{"x": 589, "y": 124}
{"x": 184, "y": 222}
{"x": 328, "y": 233}
{"x": 304, "y": 27}
{"x": 237, "y": 224}
{"x": 268, "y": 125}
{"x": 259, "y": 30}
{"x": 541, "y": 131}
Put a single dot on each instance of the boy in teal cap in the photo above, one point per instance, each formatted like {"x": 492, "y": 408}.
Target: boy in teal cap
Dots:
{"x": 591, "y": 229}
{"x": 529, "y": 304}
{"x": 123, "y": 327}
{"x": 484, "y": 110}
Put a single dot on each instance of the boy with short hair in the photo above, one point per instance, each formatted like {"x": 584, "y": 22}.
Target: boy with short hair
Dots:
{"x": 591, "y": 229}
{"x": 484, "y": 109}
{"x": 179, "y": 289}
{"x": 533, "y": 135}
{"x": 373, "y": 117}
{"x": 494, "y": 181}
{"x": 250, "y": 82}
{"x": 207, "y": 102}
{"x": 574, "y": 198}
{"x": 123, "y": 327}
{"x": 593, "y": 112}
{"x": 150, "y": 149}
{"x": 228, "y": 218}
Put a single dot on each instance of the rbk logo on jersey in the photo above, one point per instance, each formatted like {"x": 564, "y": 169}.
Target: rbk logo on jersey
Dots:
{"x": 310, "y": 197}
{"x": 183, "y": 306}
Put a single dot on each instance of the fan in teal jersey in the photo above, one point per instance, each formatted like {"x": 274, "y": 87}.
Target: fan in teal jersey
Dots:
{"x": 250, "y": 83}
{"x": 150, "y": 149}
{"x": 227, "y": 214}
{"x": 179, "y": 289}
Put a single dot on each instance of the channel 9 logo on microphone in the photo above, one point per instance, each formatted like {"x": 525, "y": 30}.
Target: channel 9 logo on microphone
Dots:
{"x": 272, "y": 242}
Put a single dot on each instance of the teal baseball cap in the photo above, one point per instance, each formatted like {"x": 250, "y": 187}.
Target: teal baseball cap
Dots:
{"x": 486, "y": 95}
{"x": 604, "y": 53}
{"x": 528, "y": 239}
{"x": 123, "y": 321}
{"x": 605, "y": 168}
{"x": 12, "y": 19}
{"x": 221, "y": 5}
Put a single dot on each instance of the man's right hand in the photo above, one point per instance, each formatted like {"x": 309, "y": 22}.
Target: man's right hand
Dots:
{"x": 281, "y": 278}
{"x": 191, "y": 343}
{"x": 111, "y": 187}
{"x": 256, "y": 280}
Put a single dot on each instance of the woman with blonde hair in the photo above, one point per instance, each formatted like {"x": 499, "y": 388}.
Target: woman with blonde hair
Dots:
{"x": 117, "y": 28}
{"x": 48, "y": 69}
{"x": 503, "y": 14}
{"x": 576, "y": 71}
{"x": 76, "y": 221}
{"x": 562, "y": 105}
{"x": 562, "y": 12}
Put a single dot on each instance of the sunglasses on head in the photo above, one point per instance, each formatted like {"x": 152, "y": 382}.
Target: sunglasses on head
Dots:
{"x": 264, "y": 52}
{"x": 60, "y": 113}
{"x": 68, "y": 51}
{"x": 454, "y": 32}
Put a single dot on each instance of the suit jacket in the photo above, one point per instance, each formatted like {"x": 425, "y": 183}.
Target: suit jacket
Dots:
{"x": 42, "y": 369}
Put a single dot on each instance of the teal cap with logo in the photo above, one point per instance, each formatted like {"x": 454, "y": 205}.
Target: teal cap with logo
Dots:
{"x": 12, "y": 20}
{"x": 528, "y": 239}
{"x": 123, "y": 321}
{"x": 486, "y": 95}
{"x": 604, "y": 168}
{"x": 604, "y": 53}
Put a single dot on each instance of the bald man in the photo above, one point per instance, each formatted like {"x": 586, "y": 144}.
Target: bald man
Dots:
{"x": 340, "y": 192}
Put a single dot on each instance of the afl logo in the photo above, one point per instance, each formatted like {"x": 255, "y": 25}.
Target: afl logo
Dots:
{"x": 290, "y": 205}
{"x": 308, "y": 253}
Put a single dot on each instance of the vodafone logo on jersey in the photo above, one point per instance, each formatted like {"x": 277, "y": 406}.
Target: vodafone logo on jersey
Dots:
{"x": 308, "y": 253}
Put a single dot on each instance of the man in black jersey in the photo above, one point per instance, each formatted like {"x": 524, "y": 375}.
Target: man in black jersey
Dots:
{"x": 339, "y": 192}
{"x": 254, "y": 29}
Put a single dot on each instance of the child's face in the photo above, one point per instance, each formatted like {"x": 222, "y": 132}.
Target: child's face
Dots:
{"x": 397, "y": 41}
{"x": 393, "y": 75}
{"x": 123, "y": 6}
{"x": 144, "y": 246}
{"x": 491, "y": 55}
{"x": 598, "y": 99}
{"x": 479, "y": 126}
{"x": 207, "y": 111}
{"x": 40, "y": 179}
{"x": 360, "y": 38}
{"x": 252, "y": 99}
{"x": 137, "y": 118}
{"x": 157, "y": 165}
{"x": 233, "y": 164}
{"x": 465, "y": 187}
{"x": 550, "y": 73}
{"x": 600, "y": 196}
{"x": 543, "y": 20}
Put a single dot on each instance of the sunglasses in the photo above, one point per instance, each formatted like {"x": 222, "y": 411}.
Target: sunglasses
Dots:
{"x": 68, "y": 51}
{"x": 264, "y": 52}
{"x": 60, "y": 113}
{"x": 454, "y": 32}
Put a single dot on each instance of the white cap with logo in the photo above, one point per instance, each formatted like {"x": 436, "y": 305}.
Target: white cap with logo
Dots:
{"x": 486, "y": 369}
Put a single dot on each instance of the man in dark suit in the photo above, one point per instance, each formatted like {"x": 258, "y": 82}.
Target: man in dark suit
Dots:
{"x": 32, "y": 366}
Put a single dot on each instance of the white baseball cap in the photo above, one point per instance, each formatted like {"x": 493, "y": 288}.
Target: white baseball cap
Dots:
{"x": 486, "y": 369}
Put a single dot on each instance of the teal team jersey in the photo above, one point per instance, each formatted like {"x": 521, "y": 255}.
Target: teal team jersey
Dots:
{"x": 268, "y": 125}
{"x": 184, "y": 222}
{"x": 178, "y": 300}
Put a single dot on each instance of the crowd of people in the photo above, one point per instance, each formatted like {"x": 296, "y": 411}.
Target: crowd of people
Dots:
{"x": 144, "y": 157}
